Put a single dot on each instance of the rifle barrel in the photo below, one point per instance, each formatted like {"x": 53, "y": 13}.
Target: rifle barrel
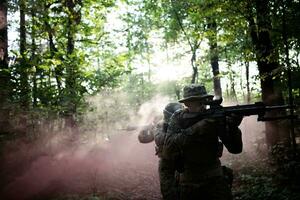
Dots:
{"x": 278, "y": 107}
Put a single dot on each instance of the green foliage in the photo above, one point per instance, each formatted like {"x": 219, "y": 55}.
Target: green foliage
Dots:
{"x": 108, "y": 76}
{"x": 262, "y": 187}
{"x": 139, "y": 89}
{"x": 263, "y": 183}
{"x": 62, "y": 74}
{"x": 102, "y": 57}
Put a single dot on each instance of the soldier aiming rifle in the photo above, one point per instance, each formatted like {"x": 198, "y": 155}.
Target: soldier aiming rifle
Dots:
{"x": 192, "y": 144}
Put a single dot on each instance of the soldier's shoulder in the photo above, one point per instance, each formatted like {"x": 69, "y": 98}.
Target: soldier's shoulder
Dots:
{"x": 160, "y": 124}
{"x": 178, "y": 113}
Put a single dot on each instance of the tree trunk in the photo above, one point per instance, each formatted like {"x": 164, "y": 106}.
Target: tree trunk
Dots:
{"x": 214, "y": 57}
{"x": 33, "y": 57}
{"x": 58, "y": 71}
{"x": 247, "y": 82}
{"x": 4, "y": 73}
{"x": 291, "y": 139}
{"x": 72, "y": 68}
{"x": 267, "y": 62}
{"x": 23, "y": 69}
{"x": 194, "y": 65}
{"x": 232, "y": 94}
{"x": 24, "y": 85}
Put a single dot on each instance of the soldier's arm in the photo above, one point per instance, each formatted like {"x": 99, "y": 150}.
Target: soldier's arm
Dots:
{"x": 146, "y": 135}
{"x": 231, "y": 135}
{"x": 171, "y": 147}
{"x": 159, "y": 137}
{"x": 160, "y": 134}
{"x": 179, "y": 136}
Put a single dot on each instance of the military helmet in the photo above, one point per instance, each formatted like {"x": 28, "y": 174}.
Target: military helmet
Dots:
{"x": 170, "y": 109}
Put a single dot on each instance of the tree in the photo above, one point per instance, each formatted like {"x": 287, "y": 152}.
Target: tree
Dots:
{"x": 25, "y": 93}
{"x": 72, "y": 68}
{"x": 214, "y": 55}
{"x": 189, "y": 22}
{"x": 4, "y": 71}
{"x": 267, "y": 62}
{"x": 191, "y": 35}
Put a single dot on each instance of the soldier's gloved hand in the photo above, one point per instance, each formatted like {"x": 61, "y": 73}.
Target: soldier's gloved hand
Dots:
{"x": 145, "y": 136}
{"x": 234, "y": 120}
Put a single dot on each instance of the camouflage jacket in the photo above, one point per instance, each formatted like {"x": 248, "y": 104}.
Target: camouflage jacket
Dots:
{"x": 159, "y": 137}
{"x": 198, "y": 152}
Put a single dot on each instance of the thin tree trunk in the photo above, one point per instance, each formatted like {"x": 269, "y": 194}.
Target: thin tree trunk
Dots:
{"x": 194, "y": 66}
{"x": 242, "y": 83}
{"x": 72, "y": 70}
{"x": 4, "y": 74}
{"x": 247, "y": 82}
{"x": 33, "y": 57}
{"x": 25, "y": 90}
{"x": 193, "y": 45}
{"x": 23, "y": 68}
{"x": 194, "y": 48}
{"x": 58, "y": 71}
{"x": 214, "y": 57}
{"x": 232, "y": 94}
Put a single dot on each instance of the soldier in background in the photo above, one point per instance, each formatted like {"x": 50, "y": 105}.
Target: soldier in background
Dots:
{"x": 192, "y": 147}
{"x": 168, "y": 178}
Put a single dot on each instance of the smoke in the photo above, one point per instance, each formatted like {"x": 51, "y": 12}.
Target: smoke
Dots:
{"x": 152, "y": 109}
{"x": 104, "y": 160}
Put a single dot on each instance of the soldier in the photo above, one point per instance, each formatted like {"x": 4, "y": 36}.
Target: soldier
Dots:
{"x": 168, "y": 181}
{"x": 193, "y": 148}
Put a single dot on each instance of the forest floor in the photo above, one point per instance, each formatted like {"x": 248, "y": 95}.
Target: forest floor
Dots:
{"x": 57, "y": 168}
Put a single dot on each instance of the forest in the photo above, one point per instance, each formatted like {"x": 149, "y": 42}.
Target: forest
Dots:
{"x": 75, "y": 75}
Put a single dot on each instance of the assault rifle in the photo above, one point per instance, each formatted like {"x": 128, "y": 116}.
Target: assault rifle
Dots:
{"x": 258, "y": 108}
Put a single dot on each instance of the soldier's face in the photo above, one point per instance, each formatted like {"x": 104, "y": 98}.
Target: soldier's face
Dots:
{"x": 195, "y": 106}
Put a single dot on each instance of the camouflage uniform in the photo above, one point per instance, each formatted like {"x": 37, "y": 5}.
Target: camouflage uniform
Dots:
{"x": 196, "y": 154}
{"x": 167, "y": 178}
{"x": 168, "y": 182}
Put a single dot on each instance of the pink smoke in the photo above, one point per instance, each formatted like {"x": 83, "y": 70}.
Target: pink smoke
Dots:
{"x": 122, "y": 168}
{"x": 119, "y": 168}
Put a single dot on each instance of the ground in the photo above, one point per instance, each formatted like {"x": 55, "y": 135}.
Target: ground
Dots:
{"x": 117, "y": 168}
